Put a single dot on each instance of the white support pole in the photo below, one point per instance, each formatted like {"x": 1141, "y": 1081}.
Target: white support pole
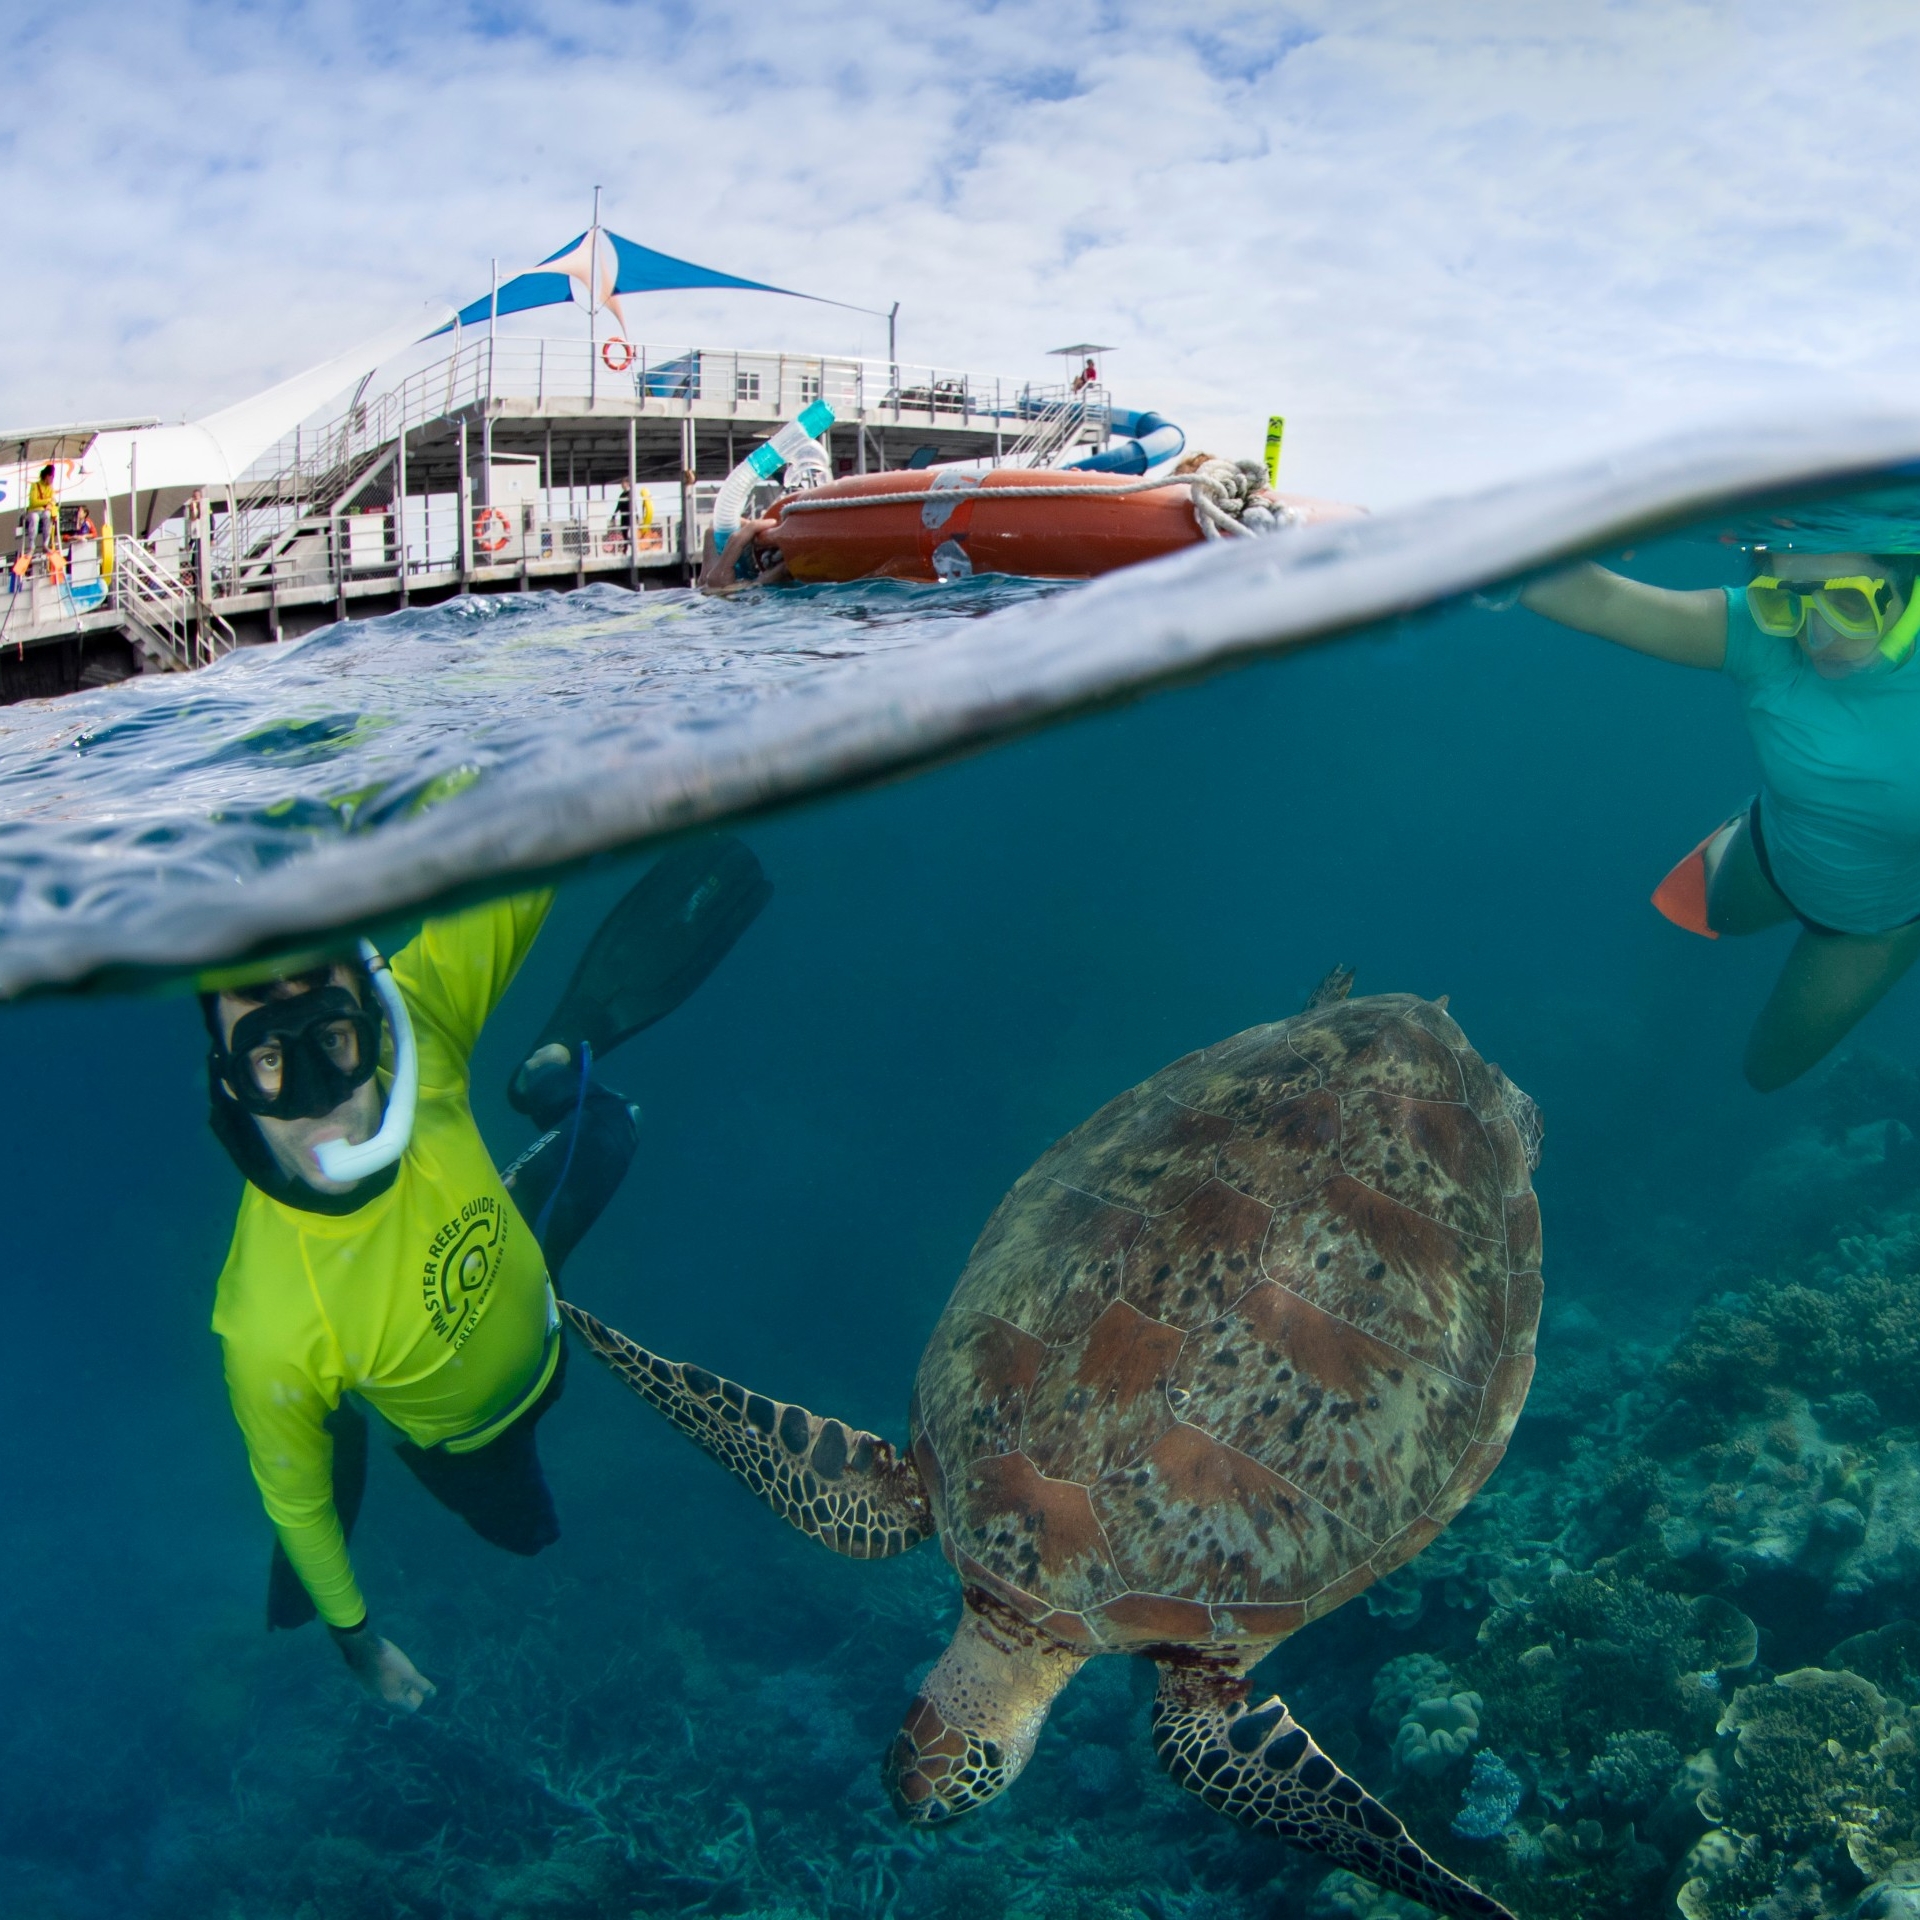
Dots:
{"x": 593, "y": 303}
{"x": 633, "y": 504}
{"x": 493, "y": 320}
{"x": 400, "y": 506}
{"x": 465, "y": 511}
{"x": 687, "y": 456}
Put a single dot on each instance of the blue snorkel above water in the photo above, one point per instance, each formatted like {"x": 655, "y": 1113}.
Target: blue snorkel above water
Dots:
{"x": 796, "y": 446}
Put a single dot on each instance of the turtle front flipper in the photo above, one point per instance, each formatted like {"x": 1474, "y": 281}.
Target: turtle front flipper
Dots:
{"x": 846, "y": 1488}
{"x": 1259, "y": 1766}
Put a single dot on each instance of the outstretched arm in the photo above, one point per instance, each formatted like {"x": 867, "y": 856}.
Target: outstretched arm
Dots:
{"x": 283, "y": 1418}
{"x": 1688, "y": 627}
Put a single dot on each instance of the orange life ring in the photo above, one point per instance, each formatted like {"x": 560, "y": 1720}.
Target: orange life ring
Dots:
{"x": 482, "y": 520}
{"x": 625, "y": 351}
{"x": 936, "y": 539}
{"x": 934, "y": 534}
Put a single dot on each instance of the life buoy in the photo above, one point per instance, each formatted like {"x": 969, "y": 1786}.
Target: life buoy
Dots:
{"x": 491, "y": 541}
{"x": 949, "y": 525}
{"x": 946, "y": 524}
{"x": 618, "y": 355}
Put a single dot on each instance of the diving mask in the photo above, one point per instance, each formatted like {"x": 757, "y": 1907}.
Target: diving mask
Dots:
{"x": 303, "y": 1056}
{"x": 300, "y": 1057}
{"x": 1851, "y": 607}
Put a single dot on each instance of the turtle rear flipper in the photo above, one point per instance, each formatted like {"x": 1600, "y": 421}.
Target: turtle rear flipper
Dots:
{"x": 845, "y": 1487}
{"x": 1260, "y": 1767}
{"x": 1332, "y": 990}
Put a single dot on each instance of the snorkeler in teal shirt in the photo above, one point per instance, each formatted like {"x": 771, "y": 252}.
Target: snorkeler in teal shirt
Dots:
{"x": 1821, "y": 644}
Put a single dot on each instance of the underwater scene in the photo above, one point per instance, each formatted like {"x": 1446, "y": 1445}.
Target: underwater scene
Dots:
{"x": 1452, "y": 1342}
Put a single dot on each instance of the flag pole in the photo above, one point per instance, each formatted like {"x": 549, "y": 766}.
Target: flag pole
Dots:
{"x": 493, "y": 318}
{"x": 486, "y": 424}
{"x": 593, "y": 303}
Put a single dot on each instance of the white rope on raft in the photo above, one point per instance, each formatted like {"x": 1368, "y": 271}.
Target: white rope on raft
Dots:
{"x": 1220, "y": 492}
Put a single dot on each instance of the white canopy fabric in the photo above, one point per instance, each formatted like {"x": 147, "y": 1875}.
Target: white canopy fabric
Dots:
{"x": 213, "y": 451}
{"x": 29, "y": 445}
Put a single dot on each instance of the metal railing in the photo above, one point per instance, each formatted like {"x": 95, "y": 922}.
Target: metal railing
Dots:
{"x": 1057, "y": 424}
{"x": 313, "y": 466}
{"x": 339, "y": 550}
{"x": 164, "y": 610}
{"x": 308, "y": 480}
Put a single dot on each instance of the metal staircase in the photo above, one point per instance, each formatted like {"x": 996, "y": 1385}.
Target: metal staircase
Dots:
{"x": 328, "y": 495}
{"x": 175, "y": 629}
{"x": 1058, "y": 426}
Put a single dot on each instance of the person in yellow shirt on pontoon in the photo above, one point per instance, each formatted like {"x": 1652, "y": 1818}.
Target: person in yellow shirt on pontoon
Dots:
{"x": 43, "y": 507}
{"x": 379, "y": 1260}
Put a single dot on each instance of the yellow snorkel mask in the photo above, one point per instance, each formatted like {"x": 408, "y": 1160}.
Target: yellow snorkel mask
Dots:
{"x": 1850, "y": 606}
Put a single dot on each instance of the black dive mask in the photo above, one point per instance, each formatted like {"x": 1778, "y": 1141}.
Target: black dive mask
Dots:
{"x": 298, "y": 1058}
{"x": 313, "y": 1080}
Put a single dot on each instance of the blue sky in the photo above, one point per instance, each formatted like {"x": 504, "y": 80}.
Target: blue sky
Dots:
{"x": 1452, "y": 240}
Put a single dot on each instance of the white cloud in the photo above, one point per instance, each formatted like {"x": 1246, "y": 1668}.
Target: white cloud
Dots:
{"x": 1448, "y": 241}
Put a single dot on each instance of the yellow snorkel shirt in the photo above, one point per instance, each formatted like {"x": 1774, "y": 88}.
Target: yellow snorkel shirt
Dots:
{"x": 430, "y": 1302}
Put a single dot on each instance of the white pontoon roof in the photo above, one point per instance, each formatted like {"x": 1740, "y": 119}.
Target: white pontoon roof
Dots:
{"x": 210, "y": 452}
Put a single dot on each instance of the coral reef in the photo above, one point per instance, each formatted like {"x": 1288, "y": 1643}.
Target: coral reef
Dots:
{"x": 1433, "y": 1734}
{"x": 1689, "y": 1604}
{"x": 1492, "y": 1798}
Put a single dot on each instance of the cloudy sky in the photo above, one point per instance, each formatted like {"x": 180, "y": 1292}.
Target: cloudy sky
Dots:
{"x": 1449, "y": 239}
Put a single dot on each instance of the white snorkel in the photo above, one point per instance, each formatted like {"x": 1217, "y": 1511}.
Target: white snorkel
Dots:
{"x": 338, "y": 1159}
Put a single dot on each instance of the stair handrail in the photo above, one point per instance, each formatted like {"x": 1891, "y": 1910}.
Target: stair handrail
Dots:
{"x": 154, "y": 598}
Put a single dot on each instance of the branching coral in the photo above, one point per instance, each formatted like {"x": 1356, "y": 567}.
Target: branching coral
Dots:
{"x": 1806, "y": 1764}
{"x": 1634, "y": 1770}
{"x": 1593, "y": 1654}
{"x": 1492, "y": 1798}
{"x": 1860, "y": 1334}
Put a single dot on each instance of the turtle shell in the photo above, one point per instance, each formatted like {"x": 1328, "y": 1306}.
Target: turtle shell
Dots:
{"x": 1246, "y": 1340}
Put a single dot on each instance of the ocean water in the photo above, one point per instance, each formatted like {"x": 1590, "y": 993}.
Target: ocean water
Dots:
{"x": 681, "y": 1707}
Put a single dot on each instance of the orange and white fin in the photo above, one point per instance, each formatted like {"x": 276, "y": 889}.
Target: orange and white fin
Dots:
{"x": 1682, "y": 895}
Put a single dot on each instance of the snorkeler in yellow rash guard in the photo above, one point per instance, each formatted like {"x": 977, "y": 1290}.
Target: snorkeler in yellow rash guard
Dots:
{"x": 377, "y": 1252}
{"x": 1821, "y": 644}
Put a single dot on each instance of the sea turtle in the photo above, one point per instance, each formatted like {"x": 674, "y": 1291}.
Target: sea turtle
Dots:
{"x": 1229, "y": 1352}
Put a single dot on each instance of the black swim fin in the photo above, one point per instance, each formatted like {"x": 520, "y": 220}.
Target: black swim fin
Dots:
{"x": 667, "y": 933}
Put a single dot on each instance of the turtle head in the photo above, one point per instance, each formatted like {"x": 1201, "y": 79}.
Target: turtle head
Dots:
{"x": 973, "y": 1724}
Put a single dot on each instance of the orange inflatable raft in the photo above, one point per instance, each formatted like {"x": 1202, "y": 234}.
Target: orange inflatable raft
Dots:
{"x": 1040, "y": 524}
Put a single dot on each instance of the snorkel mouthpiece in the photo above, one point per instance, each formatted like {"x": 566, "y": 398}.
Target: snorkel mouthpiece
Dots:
{"x": 1901, "y": 635}
{"x": 342, "y": 1161}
